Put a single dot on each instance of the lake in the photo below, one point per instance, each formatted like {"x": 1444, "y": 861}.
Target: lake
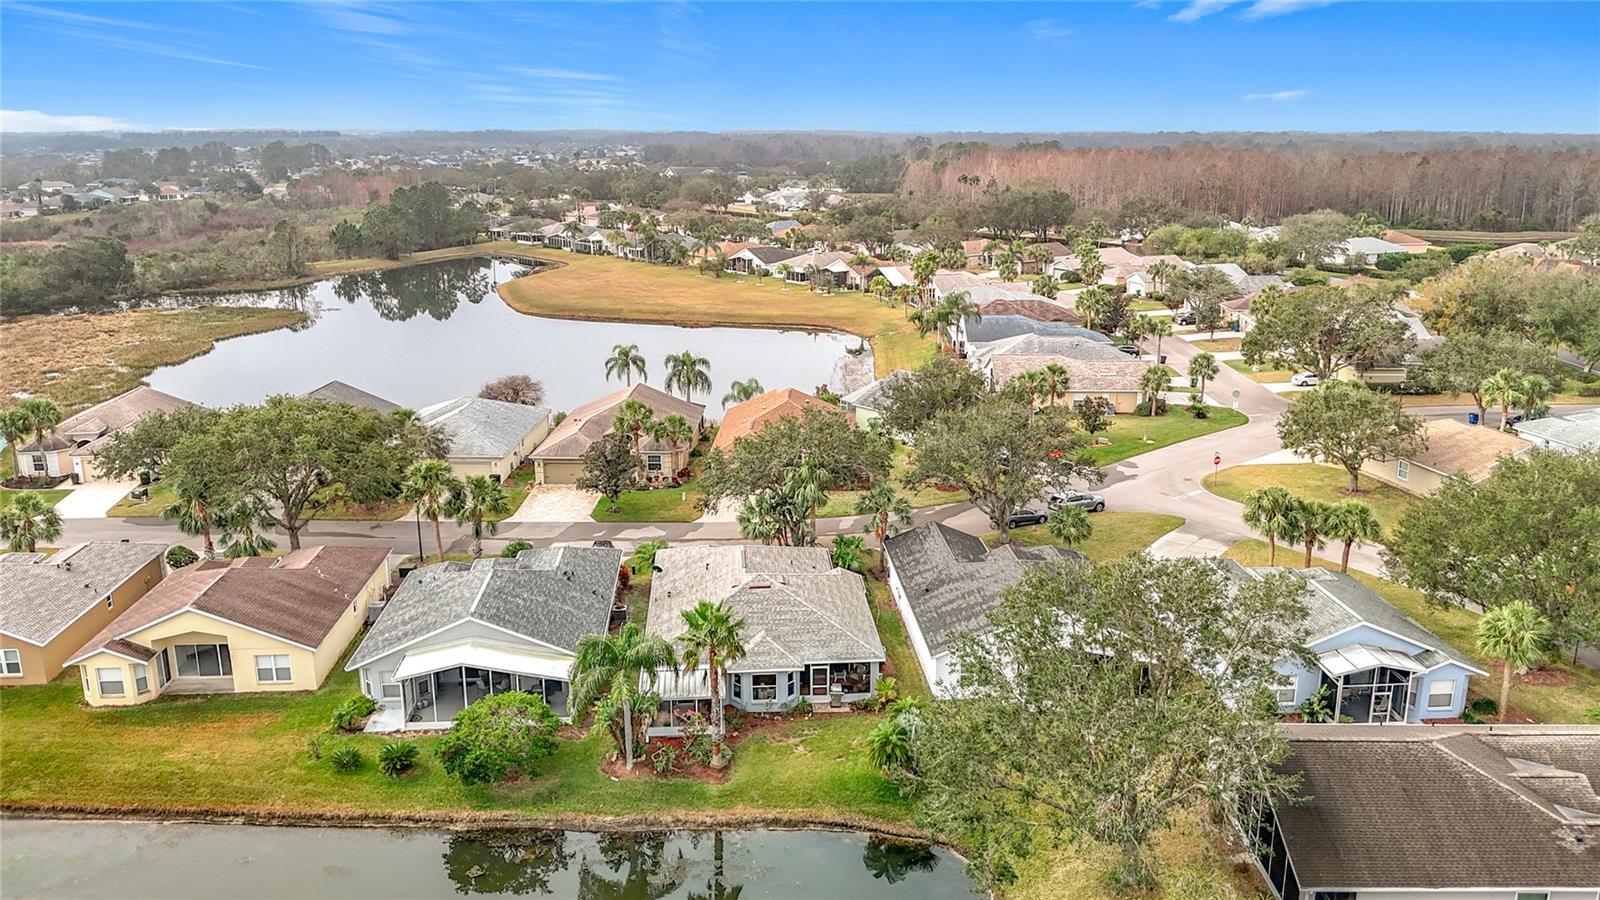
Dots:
{"x": 427, "y": 333}
{"x": 72, "y": 859}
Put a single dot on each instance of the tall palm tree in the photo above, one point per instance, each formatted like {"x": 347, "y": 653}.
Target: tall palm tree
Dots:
{"x": 431, "y": 485}
{"x": 740, "y": 391}
{"x": 479, "y": 504}
{"x": 1518, "y": 636}
{"x": 807, "y": 484}
{"x": 1070, "y": 525}
{"x": 612, "y": 665}
{"x": 625, "y": 362}
{"x": 41, "y": 417}
{"x": 1313, "y": 514}
{"x": 1203, "y": 368}
{"x": 1158, "y": 327}
{"x": 1027, "y": 386}
{"x": 1054, "y": 382}
{"x": 1274, "y": 512}
{"x": 1505, "y": 389}
{"x": 1351, "y": 522}
{"x": 688, "y": 373}
{"x": 758, "y": 519}
{"x": 27, "y": 520}
{"x": 1161, "y": 273}
{"x": 1153, "y": 383}
{"x": 244, "y": 527}
{"x": 1093, "y": 303}
{"x": 14, "y": 427}
{"x": 712, "y": 634}
{"x": 194, "y": 511}
{"x": 886, "y": 510}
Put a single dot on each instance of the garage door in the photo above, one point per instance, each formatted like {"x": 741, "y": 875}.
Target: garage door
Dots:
{"x": 562, "y": 472}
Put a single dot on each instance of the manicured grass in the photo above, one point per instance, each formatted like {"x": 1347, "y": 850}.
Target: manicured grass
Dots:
{"x": 52, "y": 496}
{"x": 610, "y": 289}
{"x": 1219, "y": 345}
{"x": 903, "y": 664}
{"x": 664, "y": 504}
{"x": 1313, "y": 482}
{"x": 843, "y": 503}
{"x": 1116, "y": 534}
{"x": 1128, "y": 434}
{"x": 517, "y": 488}
{"x": 1148, "y": 306}
{"x": 1571, "y": 701}
{"x": 129, "y": 508}
{"x": 1265, "y": 376}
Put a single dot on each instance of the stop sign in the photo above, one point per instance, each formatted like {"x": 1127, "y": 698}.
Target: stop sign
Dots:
{"x": 1216, "y": 460}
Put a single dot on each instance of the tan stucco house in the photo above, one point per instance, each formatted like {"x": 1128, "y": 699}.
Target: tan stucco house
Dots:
{"x": 1096, "y": 370}
{"x": 1453, "y": 448}
{"x": 51, "y": 605}
{"x": 487, "y": 437}
{"x": 69, "y": 448}
{"x": 560, "y": 458}
{"x": 744, "y": 419}
{"x": 236, "y": 626}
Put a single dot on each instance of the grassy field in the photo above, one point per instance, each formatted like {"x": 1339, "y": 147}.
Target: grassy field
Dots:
{"x": 1128, "y": 434}
{"x": 1502, "y": 238}
{"x": 610, "y": 289}
{"x": 1313, "y": 482}
{"x": 1574, "y": 696}
{"x": 1116, "y": 534}
{"x": 80, "y": 360}
{"x": 1265, "y": 376}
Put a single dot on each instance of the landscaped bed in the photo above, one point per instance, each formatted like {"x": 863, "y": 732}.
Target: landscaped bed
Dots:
{"x": 1312, "y": 482}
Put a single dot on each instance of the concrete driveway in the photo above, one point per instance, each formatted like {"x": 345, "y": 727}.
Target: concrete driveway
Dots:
{"x": 91, "y": 501}
{"x": 555, "y": 503}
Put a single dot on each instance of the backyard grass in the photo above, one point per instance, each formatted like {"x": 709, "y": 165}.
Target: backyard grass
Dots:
{"x": 609, "y": 289}
{"x": 80, "y": 360}
{"x": 1265, "y": 376}
{"x": 1116, "y": 534}
{"x": 51, "y": 496}
{"x": 903, "y": 666}
{"x": 1219, "y": 345}
{"x": 1573, "y": 697}
{"x": 1313, "y": 482}
{"x": 1128, "y": 434}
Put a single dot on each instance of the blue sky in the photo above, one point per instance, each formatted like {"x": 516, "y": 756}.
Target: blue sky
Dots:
{"x": 1174, "y": 65}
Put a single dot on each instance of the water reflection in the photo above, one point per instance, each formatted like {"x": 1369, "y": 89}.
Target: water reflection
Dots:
{"x": 893, "y": 860}
{"x": 509, "y": 861}
{"x": 401, "y": 294}
{"x": 647, "y": 871}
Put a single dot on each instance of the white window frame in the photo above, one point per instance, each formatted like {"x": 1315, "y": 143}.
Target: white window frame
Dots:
{"x": 11, "y": 663}
{"x": 1533, "y": 895}
{"x": 141, "y": 678}
{"x": 276, "y": 674}
{"x": 654, "y": 463}
{"x": 1289, "y": 685}
{"x": 736, "y": 682}
{"x": 1402, "y": 470}
{"x": 1433, "y": 691}
{"x": 100, "y": 681}
{"x": 757, "y": 689}
{"x": 223, "y": 671}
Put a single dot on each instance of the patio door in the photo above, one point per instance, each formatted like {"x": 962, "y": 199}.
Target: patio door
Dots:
{"x": 819, "y": 681}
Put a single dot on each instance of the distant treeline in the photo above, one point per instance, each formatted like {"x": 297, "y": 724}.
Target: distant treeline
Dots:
{"x": 1487, "y": 189}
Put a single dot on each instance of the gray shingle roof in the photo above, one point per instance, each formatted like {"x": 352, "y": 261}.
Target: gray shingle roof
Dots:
{"x": 340, "y": 392}
{"x": 874, "y": 396}
{"x": 771, "y": 255}
{"x": 552, "y": 595}
{"x": 951, "y": 579}
{"x": 483, "y": 429}
{"x": 797, "y": 607}
{"x": 40, "y": 596}
{"x": 995, "y": 328}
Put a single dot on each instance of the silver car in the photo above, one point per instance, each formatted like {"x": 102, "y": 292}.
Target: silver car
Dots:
{"x": 1080, "y": 499}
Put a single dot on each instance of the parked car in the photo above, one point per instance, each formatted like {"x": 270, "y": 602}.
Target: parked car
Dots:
{"x": 1080, "y": 499}
{"x": 1183, "y": 317}
{"x": 1305, "y": 379}
{"x": 1026, "y": 516}
{"x": 1130, "y": 349}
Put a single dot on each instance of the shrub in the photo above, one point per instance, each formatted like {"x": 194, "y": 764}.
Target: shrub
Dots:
{"x": 396, "y": 758}
{"x": 697, "y": 739}
{"x": 314, "y": 747}
{"x": 181, "y": 556}
{"x": 1589, "y": 390}
{"x": 515, "y": 547}
{"x": 1306, "y": 278}
{"x": 345, "y": 759}
{"x": 352, "y": 711}
{"x": 497, "y": 735}
{"x": 1480, "y": 710}
{"x": 1197, "y": 406}
{"x": 664, "y": 759}
{"x": 1143, "y": 409}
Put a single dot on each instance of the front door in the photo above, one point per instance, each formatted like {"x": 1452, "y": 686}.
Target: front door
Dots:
{"x": 819, "y": 681}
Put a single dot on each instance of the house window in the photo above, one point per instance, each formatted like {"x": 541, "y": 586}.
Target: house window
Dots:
{"x": 1442, "y": 693}
{"x": 1533, "y": 895}
{"x": 653, "y": 462}
{"x": 1402, "y": 469}
{"x": 792, "y": 676}
{"x": 10, "y": 662}
{"x": 1286, "y": 690}
{"x": 141, "y": 678}
{"x": 764, "y": 687}
{"x": 163, "y": 667}
{"x": 738, "y": 687}
{"x": 273, "y": 668}
{"x": 203, "y": 660}
{"x": 110, "y": 681}
{"x": 38, "y": 462}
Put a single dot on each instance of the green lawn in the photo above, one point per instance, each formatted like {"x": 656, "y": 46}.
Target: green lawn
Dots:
{"x": 1128, "y": 434}
{"x": 517, "y": 488}
{"x": 1147, "y": 306}
{"x": 1265, "y": 376}
{"x": 161, "y": 497}
{"x": 1219, "y": 345}
{"x": 52, "y": 496}
{"x": 1571, "y": 700}
{"x": 843, "y": 503}
{"x": 129, "y": 508}
{"x": 1116, "y": 534}
{"x": 664, "y": 504}
{"x": 1313, "y": 482}
{"x": 903, "y": 664}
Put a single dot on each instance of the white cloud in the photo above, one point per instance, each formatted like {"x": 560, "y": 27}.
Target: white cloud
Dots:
{"x": 17, "y": 120}
{"x": 1275, "y": 96}
{"x": 1048, "y": 28}
{"x": 565, "y": 75}
{"x": 1199, "y": 9}
{"x": 1266, "y": 9}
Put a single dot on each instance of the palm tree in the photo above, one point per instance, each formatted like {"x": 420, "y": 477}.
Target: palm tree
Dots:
{"x": 1157, "y": 327}
{"x": 1352, "y": 522}
{"x": 1093, "y": 303}
{"x": 625, "y": 362}
{"x": 1160, "y": 273}
{"x": 1070, "y": 525}
{"x": 1505, "y": 389}
{"x": 1203, "y": 368}
{"x": 244, "y": 529}
{"x": 1536, "y": 390}
{"x": 193, "y": 511}
{"x": 612, "y": 665}
{"x": 712, "y": 634}
{"x": 886, "y": 510}
{"x": 675, "y": 430}
{"x": 1054, "y": 382}
{"x": 479, "y": 504}
{"x": 807, "y": 485}
{"x": 1153, "y": 383}
{"x": 634, "y": 418}
{"x": 878, "y": 286}
{"x": 13, "y": 427}
{"x": 688, "y": 373}
{"x": 1274, "y": 512}
{"x": 29, "y": 519}
{"x": 430, "y": 484}
{"x": 783, "y": 270}
{"x": 758, "y": 519}
{"x": 40, "y": 417}
{"x": 1518, "y": 636}
{"x": 644, "y": 556}
{"x": 847, "y": 552}
{"x": 1313, "y": 515}
{"x": 740, "y": 391}
{"x": 429, "y": 442}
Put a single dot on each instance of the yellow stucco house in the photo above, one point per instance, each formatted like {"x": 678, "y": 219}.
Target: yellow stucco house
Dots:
{"x": 69, "y": 448}
{"x": 236, "y": 626}
{"x": 1453, "y": 448}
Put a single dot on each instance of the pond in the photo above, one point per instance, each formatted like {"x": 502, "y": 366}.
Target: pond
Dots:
{"x": 61, "y": 859}
{"x": 423, "y": 334}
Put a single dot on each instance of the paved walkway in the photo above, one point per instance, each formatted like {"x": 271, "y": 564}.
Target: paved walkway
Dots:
{"x": 93, "y": 500}
{"x": 555, "y": 503}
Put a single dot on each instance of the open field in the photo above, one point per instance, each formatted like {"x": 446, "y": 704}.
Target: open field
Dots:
{"x": 1312, "y": 482}
{"x": 1116, "y": 534}
{"x": 80, "y": 360}
{"x": 1265, "y": 376}
{"x": 1573, "y": 695}
{"x": 609, "y": 289}
{"x": 1129, "y": 433}
{"x": 1502, "y": 238}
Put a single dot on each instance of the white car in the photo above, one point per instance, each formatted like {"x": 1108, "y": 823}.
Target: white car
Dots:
{"x": 1305, "y": 379}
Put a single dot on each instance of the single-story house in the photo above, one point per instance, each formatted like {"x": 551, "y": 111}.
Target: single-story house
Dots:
{"x": 747, "y": 417}
{"x": 1453, "y": 448}
{"x": 808, "y": 630}
{"x": 945, "y": 582}
{"x": 866, "y": 404}
{"x": 782, "y": 226}
{"x": 70, "y": 447}
{"x": 487, "y": 437}
{"x": 1410, "y": 242}
{"x": 457, "y": 632}
{"x": 1459, "y": 812}
{"x": 287, "y": 621}
{"x": 1573, "y": 433}
{"x": 992, "y": 327}
{"x": 830, "y": 267}
{"x": 10, "y": 209}
{"x": 1096, "y": 369}
{"x": 1373, "y": 664}
{"x": 1367, "y": 248}
{"x": 169, "y": 190}
{"x": 761, "y": 259}
{"x": 559, "y": 458}
{"x": 340, "y": 392}
{"x": 51, "y": 605}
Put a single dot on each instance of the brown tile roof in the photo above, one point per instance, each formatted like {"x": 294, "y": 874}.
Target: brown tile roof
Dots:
{"x": 1086, "y": 375}
{"x": 744, "y": 418}
{"x": 1408, "y": 241}
{"x": 1042, "y": 310}
{"x": 1456, "y": 448}
{"x": 591, "y": 421}
{"x": 298, "y": 597}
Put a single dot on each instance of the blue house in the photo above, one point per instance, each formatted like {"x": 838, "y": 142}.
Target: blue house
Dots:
{"x": 1376, "y": 664}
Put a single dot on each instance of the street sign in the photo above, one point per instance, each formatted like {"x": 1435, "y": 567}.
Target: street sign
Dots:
{"x": 1216, "y": 462}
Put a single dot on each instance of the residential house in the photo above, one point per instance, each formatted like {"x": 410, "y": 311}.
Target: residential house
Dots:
{"x": 990, "y": 327}
{"x": 782, "y": 227}
{"x": 487, "y": 437}
{"x": 287, "y": 621}
{"x": 1371, "y": 663}
{"x": 945, "y": 582}
{"x": 168, "y": 191}
{"x": 1410, "y": 242}
{"x": 559, "y": 458}
{"x": 763, "y": 259}
{"x": 1364, "y": 250}
{"x": 1458, "y": 812}
{"x": 1097, "y": 370}
{"x": 116, "y": 195}
{"x": 1453, "y": 448}
{"x": 457, "y": 632}
{"x": 746, "y": 418}
{"x": 1573, "y": 433}
{"x": 1027, "y": 265}
{"x": 69, "y": 448}
{"x": 10, "y": 209}
{"x": 867, "y": 403}
{"x": 340, "y": 392}
{"x": 821, "y": 269}
{"x": 977, "y": 253}
{"x": 57, "y": 187}
{"x": 1245, "y": 283}
{"x": 808, "y": 630}
{"x": 51, "y": 604}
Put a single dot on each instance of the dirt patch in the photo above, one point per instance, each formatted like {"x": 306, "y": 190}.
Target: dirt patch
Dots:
{"x": 1538, "y": 677}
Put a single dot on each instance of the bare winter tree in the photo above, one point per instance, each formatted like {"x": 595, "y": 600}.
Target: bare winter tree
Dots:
{"x": 514, "y": 389}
